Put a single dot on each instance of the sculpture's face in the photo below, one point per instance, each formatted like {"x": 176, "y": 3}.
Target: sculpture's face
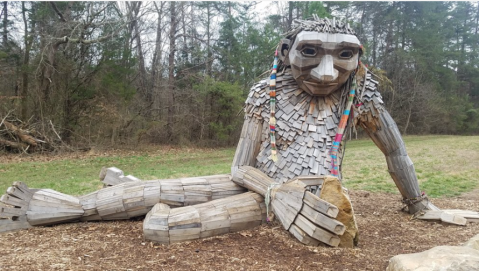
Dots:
{"x": 321, "y": 62}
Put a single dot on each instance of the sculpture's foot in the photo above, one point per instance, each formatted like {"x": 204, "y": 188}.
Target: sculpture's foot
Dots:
{"x": 14, "y": 206}
{"x": 418, "y": 205}
{"x": 23, "y": 207}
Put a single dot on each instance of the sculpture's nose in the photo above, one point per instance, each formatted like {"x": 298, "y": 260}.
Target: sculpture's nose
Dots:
{"x": 325, "y": 71}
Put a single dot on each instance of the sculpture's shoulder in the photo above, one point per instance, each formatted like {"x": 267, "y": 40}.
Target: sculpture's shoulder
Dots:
{"x": 368, "y": 102}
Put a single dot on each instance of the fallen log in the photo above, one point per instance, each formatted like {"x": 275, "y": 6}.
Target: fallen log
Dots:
{"x": 22, "y": 135}
{"x": 12, "y": 144}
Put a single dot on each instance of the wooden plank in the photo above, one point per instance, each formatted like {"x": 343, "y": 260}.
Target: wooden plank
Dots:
{"x": 444, "y": 217}
{"x": 157, "y": 218}
{"x": 49, "y": 195}
{"x": 285, "y": 215}
{"x": 453, "y": 219}
{"x": 16, "y": 192}
{"x": 8, "y": 225}
{"x": 302, "y": 236}
{"x": 41, "y": 219}
{"x": 320, "y": 205}
{"x": 133, "y": 190}
{"x": 316, "y": 232}
{"x": 48, "y": 209}
{"x": 24, "y": 188}
{"x": 111, "y": 192}
{"x": 172, "y": 192}
{"x": 111, "y": 206}
{"x": 13, "y": 201}
{"x": 113, "y": 176}
{"x": 8, "y": 212}
{"x": 184, "y": 217}
{"x": 88, "y": 203}
{"x": 182, "y": 235}
{"x": 323, "y": 221}
{"x": 152, "y": 193}
{"x": 308, "y": 180}
{"x": 471, "y": 216}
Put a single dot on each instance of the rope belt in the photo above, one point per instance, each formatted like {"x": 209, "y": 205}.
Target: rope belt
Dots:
{"x": 267, "y": 198}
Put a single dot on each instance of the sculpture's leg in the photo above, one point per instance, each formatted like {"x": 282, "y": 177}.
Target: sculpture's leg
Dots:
{"x": 308, "y": 217}
{"x": 221, "y": 216}
{"x": 23, "y": 207}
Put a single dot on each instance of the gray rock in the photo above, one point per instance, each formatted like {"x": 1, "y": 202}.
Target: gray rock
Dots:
{"x": 473, "y": 243}
{"x": 442, "y": 258}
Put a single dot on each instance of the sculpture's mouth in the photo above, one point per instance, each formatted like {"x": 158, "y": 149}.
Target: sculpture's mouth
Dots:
{"x": 319, "y": 85}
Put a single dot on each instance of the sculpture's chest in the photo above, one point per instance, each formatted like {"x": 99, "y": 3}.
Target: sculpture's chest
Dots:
{"x": 305, "y": 129}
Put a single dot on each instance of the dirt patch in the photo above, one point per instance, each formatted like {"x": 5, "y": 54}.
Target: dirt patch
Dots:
{"x": 384, "y": 230}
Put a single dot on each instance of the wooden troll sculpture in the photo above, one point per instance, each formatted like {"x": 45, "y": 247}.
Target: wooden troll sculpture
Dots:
{"x": 289, "y": 157}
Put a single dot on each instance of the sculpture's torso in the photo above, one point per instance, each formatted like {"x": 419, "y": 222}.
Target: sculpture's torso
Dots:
{"x": 306, "y": 125}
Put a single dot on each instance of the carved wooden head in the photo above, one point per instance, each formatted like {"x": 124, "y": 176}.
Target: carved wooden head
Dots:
{"x": 321, "y": 57}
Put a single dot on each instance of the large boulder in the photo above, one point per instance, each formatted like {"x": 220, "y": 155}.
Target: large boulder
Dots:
{"x": 442, "y": 258}
{"x": 473, "y": 243}
{"x": 333, "y": 192}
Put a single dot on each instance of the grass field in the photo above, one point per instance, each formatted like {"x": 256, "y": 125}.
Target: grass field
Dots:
{"x": 445, "y": 165}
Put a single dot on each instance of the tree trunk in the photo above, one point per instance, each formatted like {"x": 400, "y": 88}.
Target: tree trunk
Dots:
{"x": 28, "y": 41}
{"x": 209, "y": 61}
{"x": 5, "y": 24}
{"x": 156, "y": 62}
{"x": 171, "y": 70}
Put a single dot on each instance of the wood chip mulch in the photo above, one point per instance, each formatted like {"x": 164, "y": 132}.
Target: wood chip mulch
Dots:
{"x": 385, "y": 231}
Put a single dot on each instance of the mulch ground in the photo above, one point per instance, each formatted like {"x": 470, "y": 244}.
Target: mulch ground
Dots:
{"x": 385, "y": 231}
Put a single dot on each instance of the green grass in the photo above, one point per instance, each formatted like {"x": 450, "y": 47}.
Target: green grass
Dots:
{"x": 80, "y": 176}
{"x": 445, "y": 166}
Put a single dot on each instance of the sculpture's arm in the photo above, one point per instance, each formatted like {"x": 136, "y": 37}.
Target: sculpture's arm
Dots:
{"x": 249, "y": 143}
{"x": 382, "y": 129}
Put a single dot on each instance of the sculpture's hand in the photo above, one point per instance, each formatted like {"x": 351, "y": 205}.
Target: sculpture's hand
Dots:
{"x": 309, "y": 218}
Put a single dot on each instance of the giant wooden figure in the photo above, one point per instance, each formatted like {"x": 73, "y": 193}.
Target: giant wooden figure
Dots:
{"x": 289, "y": 153}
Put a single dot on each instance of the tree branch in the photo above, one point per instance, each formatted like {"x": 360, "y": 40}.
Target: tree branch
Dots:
{"x": 55, "y": 8}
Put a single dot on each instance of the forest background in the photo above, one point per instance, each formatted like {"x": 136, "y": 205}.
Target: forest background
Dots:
{"x": 82, "y": 74}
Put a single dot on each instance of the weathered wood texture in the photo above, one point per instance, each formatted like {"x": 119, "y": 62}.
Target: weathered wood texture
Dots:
{"x": 114, "y": 176}
{"x": 128, "y": 199}
{"x": 235, "y": 213}
{"x": 23, "y": 207}
{"x": 453, "y": 216}
{"x": 304, "y": 214}
{"x": 306, "y": 126}
{"x": 48, "y": 207}
{"x": 136, "y": 198}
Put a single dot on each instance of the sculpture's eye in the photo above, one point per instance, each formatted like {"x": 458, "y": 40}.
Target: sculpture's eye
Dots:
{"x": 309, "y": 52}
{"x": 346, "y": 54}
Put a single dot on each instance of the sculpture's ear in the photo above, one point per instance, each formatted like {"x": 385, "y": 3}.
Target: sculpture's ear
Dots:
{"x": 283, "y": 50}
